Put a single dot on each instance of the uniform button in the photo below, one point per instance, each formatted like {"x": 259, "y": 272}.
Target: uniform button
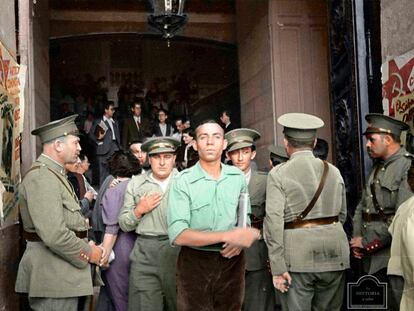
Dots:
{"x": 365, "y": 226}
{"x": 371, "y": 195}
{"x": 377, "y": 181}
{"x": 383, "y": 169}
{"x": 367, "y": 210}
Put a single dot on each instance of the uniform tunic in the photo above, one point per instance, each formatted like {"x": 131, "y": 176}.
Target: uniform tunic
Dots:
{"x": 391, "y": 189}
{"x": 56, "y": 267}
{"x": 153, "y": 260}
{"x": 259, "y": 292}
{"x": 315, "y": 257}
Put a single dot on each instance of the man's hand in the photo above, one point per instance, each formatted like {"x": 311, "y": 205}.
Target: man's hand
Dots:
{"x": 241, "y": 237}
{"x": 114, "y": 182}
{"x": 356, "y": 242}
{"x": 96, "y": 253}
{"x": 230, "y": 251}
{"x": 89, "y": 196}
{"x": 282, "y": 282}
{"x": 357, "y": 247}
{"x": 147, "y": 203}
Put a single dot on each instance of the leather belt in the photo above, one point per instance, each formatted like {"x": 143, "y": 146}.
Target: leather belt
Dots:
{"x": 33, "y": 237}
{"x": 153, "y": 237}
{"x": 375, "y": 217}
{"x": 311, "y": 222}
{"x": 256, "y": 222}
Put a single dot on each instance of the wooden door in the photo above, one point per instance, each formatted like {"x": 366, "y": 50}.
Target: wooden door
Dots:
{"x": 299, "y": 41}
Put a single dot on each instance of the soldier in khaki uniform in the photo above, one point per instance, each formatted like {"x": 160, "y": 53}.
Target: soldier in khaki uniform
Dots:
{"x": 385, "y": 189}
{"x": 259, "y": 291}
{"x": 153, "y": 260}
{"x": 308, "y": 248}
{"x": 54, "y": 269}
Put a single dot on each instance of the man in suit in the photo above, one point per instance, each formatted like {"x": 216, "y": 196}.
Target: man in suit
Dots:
{"x": 54, "y": 269}
{"x": 162, "y": 128}
{"x": 386, "y": 188}
{"x": 305, "y": 210}
{"x": 259, "y": 292}
{"x": 105, "y": 134}
{"x": 135, "y": 127}
{"x": 225, "y": 119}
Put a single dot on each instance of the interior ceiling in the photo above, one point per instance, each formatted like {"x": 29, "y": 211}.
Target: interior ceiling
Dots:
{"x": 195, "y": 6}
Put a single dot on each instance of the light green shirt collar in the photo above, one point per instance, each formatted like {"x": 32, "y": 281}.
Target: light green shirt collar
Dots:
{"x": 198, "y": 173}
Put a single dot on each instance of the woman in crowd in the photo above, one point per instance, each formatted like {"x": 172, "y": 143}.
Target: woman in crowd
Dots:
{"x": 123, "y": 165}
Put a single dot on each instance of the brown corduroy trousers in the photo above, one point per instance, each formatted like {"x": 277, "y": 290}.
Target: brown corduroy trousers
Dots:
{"x": 207, "y": 281}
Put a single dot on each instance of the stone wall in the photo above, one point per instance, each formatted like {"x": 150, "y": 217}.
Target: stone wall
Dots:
{"x": 255, "y": 72}
{"x": 396, "y": 27}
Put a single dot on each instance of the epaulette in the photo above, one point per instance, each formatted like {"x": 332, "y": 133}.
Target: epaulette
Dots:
{"x": 261, "y": 173}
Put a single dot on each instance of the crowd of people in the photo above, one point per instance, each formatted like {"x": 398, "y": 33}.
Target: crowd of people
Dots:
{"x": 183, "y": 220}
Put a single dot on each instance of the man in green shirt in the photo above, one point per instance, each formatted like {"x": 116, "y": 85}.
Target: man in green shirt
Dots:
{"x": 54, "y": 269}
{"x": 202, "y": 216}
{"x": 153, "y": 260}
{"x": 259, "y": 291}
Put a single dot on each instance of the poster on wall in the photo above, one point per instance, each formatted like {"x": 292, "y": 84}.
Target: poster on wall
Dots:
{"x": 398, "y": 87}
{"x": 11, "y": 89}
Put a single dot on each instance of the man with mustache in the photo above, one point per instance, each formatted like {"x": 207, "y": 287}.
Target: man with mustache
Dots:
{"x": 54, "y": 270}
{"x": 386, "y": 188}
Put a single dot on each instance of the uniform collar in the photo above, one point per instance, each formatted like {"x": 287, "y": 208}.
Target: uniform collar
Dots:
{"x": 400, "y": 153}
{"x": 302, "y": 153}
{"x": 148, "y": 175}
{"x": 51, "y": 163}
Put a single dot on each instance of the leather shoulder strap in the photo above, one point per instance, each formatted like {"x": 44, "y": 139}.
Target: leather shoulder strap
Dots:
{"x": 317, "y": 193}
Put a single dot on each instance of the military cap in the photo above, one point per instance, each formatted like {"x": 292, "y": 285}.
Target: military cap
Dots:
{"x": 379, "y": 123}
{"x": 241, "y": 138}
{"x": 278, "y": 153}
{"x": 160, "y": 145}
{"x": 57, "y": 128}
{"x": 300, "y": 126}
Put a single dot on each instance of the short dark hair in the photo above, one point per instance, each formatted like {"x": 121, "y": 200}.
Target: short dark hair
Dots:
{"x": 394, "y": 137}
{"x": 108, "y": 104}
{"x": 300, "y": 144}
{"x": 227, "y": 112}
{"x": 135, "y": 102}
{"x": 163, "y": 110}
{"x": 189, "y": 131}
{"x": 124, "y": 164}
{"x": 208, "y": 121}
{"x": 321, "y": 149}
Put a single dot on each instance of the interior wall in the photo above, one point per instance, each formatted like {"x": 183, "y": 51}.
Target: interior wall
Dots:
{"x": 9, "y": 237}
{"x": 255, "y": 73}
{"x": 396, "y": 28}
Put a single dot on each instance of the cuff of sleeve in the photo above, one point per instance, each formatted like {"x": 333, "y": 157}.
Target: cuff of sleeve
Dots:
{"x": 112, "y": 229}
{"x": 175, "y": 230}
{"x": 279, "y": 268}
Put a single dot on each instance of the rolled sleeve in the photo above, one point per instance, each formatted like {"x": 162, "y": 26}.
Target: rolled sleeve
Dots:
{"x": 178, "y": 216}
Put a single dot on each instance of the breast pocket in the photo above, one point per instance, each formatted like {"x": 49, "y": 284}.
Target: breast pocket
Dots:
{"x": 389, "y": 192}
{"x": 201, "y": 216}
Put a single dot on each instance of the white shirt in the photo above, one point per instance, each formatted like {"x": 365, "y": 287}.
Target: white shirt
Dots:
{"x": 162, "y": 183}
{"x": 163, "y": 128}
{"x": 111, "y": 125}
{"x": 137, "y": 121}
{"x": 248, "y": 175}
